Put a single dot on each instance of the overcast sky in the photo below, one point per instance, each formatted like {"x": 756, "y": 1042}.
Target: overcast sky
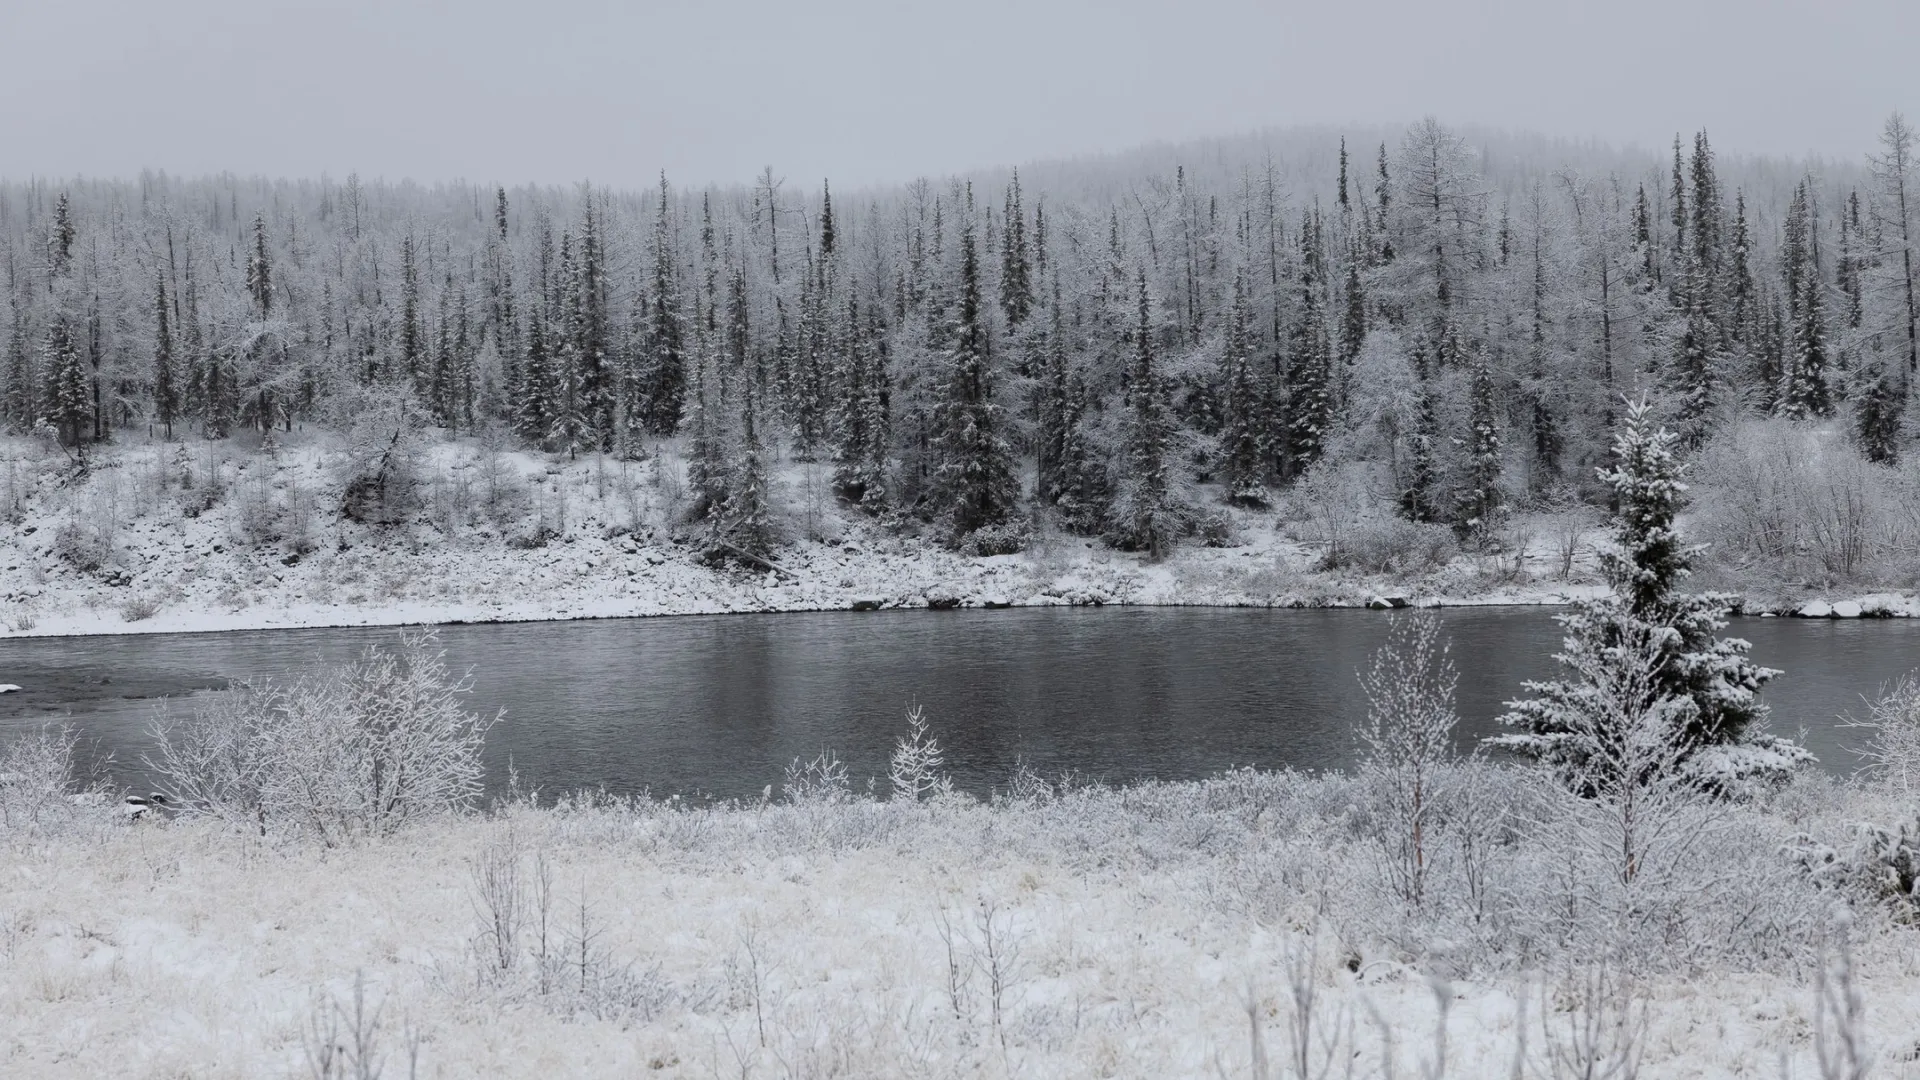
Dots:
{"x": 878, "y": 90}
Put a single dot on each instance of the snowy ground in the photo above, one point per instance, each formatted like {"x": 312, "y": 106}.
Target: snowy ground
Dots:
{"x": 1130, "y": 934}
{"x": 204, "y": 536}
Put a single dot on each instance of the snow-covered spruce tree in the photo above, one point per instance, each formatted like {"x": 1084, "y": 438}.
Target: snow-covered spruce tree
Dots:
{"x": 1309, "y": 415}
{"x": 1877, "y": 406}
{"x": 20, "y": 402}
{"x": 1806, "y": 392}
{"x": 1418, "y": 499}
{"x": 1081, "y": 489}
{"x": 1242, "y": 458}
{"x": 70, "y": 408}
{"x": 859, "y": 428}
{"x": 1480, "y": 499}
{"x": 747, "y": 522}
{"x": 974, "y": 482}
{"x": 666, "y": 369}
{"x": 1145, "y": 516}
{"x": 166, "y": 390}
{"x": 1705, "y": 685}
{"x": 1016, "y": 267}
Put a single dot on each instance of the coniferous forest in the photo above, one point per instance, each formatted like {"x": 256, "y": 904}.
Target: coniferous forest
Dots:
{"x": 1454, "y": 324}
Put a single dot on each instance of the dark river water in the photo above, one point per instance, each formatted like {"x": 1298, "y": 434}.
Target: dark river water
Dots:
{"x": 717, "y": 705}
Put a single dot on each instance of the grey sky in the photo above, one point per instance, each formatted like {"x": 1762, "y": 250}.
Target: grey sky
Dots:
{"x": 870, "y": 90}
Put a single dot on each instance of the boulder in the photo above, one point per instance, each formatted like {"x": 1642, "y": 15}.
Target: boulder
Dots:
{"x": 1388, "y": 603}
{"x": 996, "y": 605}
{"x": 1846, "y": 609}
{"x": 942, "y": 602}
{"x": 1815, "y": 609}
{"x": 866, "y": 605}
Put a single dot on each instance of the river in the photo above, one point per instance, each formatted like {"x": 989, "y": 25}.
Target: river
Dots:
{"x": 717, "y": 705}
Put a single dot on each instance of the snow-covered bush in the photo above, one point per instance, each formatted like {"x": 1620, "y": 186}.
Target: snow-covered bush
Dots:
{"x": 1391, "y": 545}
{"x": 358, "y": 750}
{"x": 80, "y": 546}
{"x": 823, "y": 780}
{"x": 1892, "y": 751}
{"x": 1796, "y": 501}
{"x": 37, "y": 782}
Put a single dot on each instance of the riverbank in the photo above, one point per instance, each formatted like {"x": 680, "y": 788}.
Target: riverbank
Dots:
{"x": 164, "y": 539}
{"x": 1160, "y": 930}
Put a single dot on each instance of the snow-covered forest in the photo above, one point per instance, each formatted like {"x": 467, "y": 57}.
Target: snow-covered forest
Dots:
{"x": 1437, "y": 331}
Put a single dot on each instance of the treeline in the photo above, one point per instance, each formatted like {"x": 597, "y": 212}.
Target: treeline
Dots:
{"x": 1120, "y": 354}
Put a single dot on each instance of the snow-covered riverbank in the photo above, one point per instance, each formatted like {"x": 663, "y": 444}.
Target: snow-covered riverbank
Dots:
{"x": 170, "y": 539}
{"x": 1163, "y": 931}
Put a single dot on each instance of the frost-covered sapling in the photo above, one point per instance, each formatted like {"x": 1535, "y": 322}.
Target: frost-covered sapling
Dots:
{"x": 914, "y": 769}
{"x": 1406, "y": 744}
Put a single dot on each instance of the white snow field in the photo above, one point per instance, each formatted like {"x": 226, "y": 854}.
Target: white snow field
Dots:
{"x": 1237, "y": 927}
{"x": 212, "y": 536}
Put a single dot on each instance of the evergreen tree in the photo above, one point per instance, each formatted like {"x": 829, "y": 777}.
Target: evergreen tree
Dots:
{"x": 1705, "y": 682}
{"x": 1481, "y": 498}
{"x": 666, "y": 378}
{"x": 166, "y": 395}
{"x": 1052, "y": 410}
{"x": 1417, "y": 500}
{"x": 1807, "y": 392}
{"x": 413, "y": 345}
{"x": 749, "y": 524}
{"x": 1016, "y": 269}
{"x": 1383, "y": 199}
{"x": 1878, "y": 404}
{"x": 60, "y": 239}
{"x": 1145, "y": 516}
{"x": 260, "y": 269}
{"x": 71, "y": 399}
{"x": 1242, "y": 458}
{"x": 1310, "y": 402}
{"x": 533, "y": 412}
{"x": 974, "y": 477}
{"x": 21, "y": 406}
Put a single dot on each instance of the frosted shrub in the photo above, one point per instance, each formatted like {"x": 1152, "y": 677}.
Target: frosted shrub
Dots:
{"x": 1391, "y": 545}
{"x": 359, "y": 750}
{"x": 915, "y": 766}
{"x": 1800, "y": 502}
{"x": 822, "y": 780}
{"x": 1892, "y": 752}
{"x": 80, "y": 546}
{"x": 36, "y": 780}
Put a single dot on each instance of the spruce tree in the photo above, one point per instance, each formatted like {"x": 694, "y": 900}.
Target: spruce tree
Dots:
{"x": 260, "y": 269}
{"x": 1417, "y": 494}
{"x": 1242, "y": 458}
{"x": 666, "y": 380}
{"x": 1878, "y": 404}
{"x": 1310, "y": 404}
{"x": 1016, "y": 268}
{"x": 413, "y": 345}
{"x": 1145, "y": 517}
{"x": 1052, "y": 411}
{"x": 1705, "y": 682}
{"x": 166, "y": 395}
{"x": 71, "y": 405}
{"x": 1806, "y": 391}
{"x": 20, "y": 403}
{"x": 60, "y": 239}
{"x": 1480, "y": 499}
{"x": 974, "y": 477}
